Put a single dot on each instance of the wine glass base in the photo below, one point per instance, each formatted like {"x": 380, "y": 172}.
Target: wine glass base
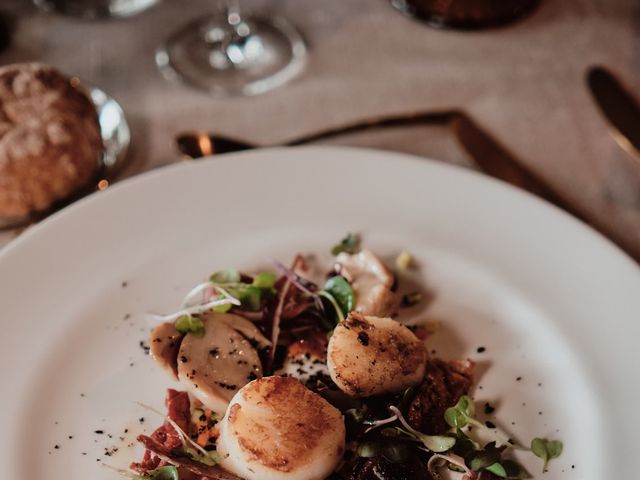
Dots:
{"x": 95, "y": 10}
{"x": 210, "y": 55}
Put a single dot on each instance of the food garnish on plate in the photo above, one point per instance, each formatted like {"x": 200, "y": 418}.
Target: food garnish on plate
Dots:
{"x": 289, "y": 378}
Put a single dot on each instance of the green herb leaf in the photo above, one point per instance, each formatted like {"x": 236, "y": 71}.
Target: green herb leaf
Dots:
{"x": 437, "y": 443}
{"x": 461, "y": 413}
{"x": 251, "y": 298}
{"x": 265, "y": 280}
{"x": 546, "y": 450}
{"x": 514, "y": 470}
{"x": 190, "y": 324}
{"x": 349, "y": 244}
{"x": 342, "y": 292}
{"x": 163, "y": 473}
{"x": 230, "y": 275}
{"x": 222, "y": 308}
{"x": 368, "y": 449}
{"x": 211, "y": 458}
{"x": 497, "y": 469}
{"x": 330, "y": 303}
{"x": 455, "y": 418}
{"x": 484, "y": 459}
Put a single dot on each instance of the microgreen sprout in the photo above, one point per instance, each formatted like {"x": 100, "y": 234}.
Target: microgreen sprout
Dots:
{"x": 196, "y": 309}
{"x": 546, "y": 450}
{"x": 168, "y": 472}
{"x": 190, "y": 324}
{"x": 367, "y": 449}
{"x": 349, "y": 244}
{"x": 438, "y": 459}
{"x": 342, "y": 292}
{"x": 264, "y": 280}
{"x": 334, "y": 303}
{"x": 230, "y": 275}
{"x": 462, "y": 415}
{"x": 373, "y": 424}
{"x": 228, "y": 284}
{"x": 301, "y": 283}
{"x": 434, "y": 443}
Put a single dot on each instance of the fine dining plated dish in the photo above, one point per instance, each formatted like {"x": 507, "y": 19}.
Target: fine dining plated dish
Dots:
{"x": 550, "y": 301}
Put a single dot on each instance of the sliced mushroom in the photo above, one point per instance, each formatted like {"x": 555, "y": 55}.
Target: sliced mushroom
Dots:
{"x": 371, "y": 281}
{"x": 372, "y": 356}
{"x": 215, "y": 366}
{"x": 164, "y": 344}
{"x": 243, "y": 326}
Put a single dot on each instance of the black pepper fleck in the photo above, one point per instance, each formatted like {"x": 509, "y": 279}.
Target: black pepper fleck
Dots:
{"x": 490, "y": 424}
{"x": 57, "y": 447}
{"x": 481, "y": 349}
{"x": 125, "y": 284}
{"x": 518, "y": 379}
{"x": 363, "y": 338}
{"x": 488, "y": 408}
{"x": 99, "y": 432}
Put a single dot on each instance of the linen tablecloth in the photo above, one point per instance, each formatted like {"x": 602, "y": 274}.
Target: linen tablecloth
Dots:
{"x": 523, "y": 83}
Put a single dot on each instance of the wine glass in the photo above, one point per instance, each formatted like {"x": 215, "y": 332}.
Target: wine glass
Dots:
{"x": 230, "y": 53}
{"x": 95, "y": 8}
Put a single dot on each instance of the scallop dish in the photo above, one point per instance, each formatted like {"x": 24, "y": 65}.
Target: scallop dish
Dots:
{"x": 310, "y": 371}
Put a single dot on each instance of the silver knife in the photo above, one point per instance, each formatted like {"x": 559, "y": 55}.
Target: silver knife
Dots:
{"x": 495, "y": 160}
{"x": 618, "y": 106}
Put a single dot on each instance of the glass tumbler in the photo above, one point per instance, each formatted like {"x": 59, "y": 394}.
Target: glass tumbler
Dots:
{"x": 465, "y": 14}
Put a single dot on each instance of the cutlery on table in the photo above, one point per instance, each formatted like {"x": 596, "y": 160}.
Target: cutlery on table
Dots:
{"x": 488, "y": 154}
{"x": 619, "y": 107}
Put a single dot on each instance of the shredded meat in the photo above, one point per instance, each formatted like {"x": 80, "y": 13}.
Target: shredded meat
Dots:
{"x": 178, "y": 410}
{"x": 443, "y": 385}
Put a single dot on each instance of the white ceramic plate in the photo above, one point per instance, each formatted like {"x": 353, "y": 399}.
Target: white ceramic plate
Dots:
{"x": 550, "y": 300}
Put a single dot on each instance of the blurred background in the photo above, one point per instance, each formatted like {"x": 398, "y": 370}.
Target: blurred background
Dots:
{"x": 524, "y": 82}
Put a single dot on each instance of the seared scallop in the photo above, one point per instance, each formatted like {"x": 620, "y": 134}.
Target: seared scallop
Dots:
{"x": 371, "y": 356}
{"x": 215, "y": 366}
{"x": 277, "y": 429}
{"x": 371, "y": 281}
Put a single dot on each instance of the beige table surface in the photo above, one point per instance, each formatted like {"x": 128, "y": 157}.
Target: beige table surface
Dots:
{"x": 524, "y": 83}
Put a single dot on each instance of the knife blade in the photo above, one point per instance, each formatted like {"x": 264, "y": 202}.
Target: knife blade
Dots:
{"x": 495, "y": 160}
{"x": 619, "y": 107}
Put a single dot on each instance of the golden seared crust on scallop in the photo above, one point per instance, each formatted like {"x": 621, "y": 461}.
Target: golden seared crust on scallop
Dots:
{"x": 371, "y": 356}
{"x": 276, "y": 428}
